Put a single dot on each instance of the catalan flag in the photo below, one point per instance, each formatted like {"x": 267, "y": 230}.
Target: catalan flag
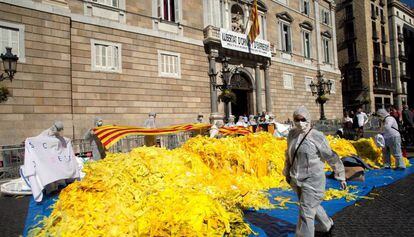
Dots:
{"x": 227, "y": 131}
{"x": 111, "y": 134}
{"x": 255, "y": 27}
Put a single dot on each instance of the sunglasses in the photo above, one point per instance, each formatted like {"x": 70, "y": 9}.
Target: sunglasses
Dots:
{"x": 299, "y": 120}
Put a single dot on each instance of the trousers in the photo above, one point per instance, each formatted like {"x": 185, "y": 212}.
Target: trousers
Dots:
{"x": 310, "y": 194}
{"x": 393, "y": 147}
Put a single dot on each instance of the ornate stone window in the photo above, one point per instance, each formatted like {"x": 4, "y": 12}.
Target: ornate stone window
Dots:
{"x": 306, "y": 27}
{"x": 214, "y": 11}
{"x": 285, "y": 19}
{"x": 106, "y": 56}
{"x": 168, "y": 15}
{"x": 288, "y": 81}
{"x": 169, "y": 64}
{"x": 305, "y": 7}
{"x": 168, "y": 10}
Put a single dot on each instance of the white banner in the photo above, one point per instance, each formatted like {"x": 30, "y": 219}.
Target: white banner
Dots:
{"x": 239, "y": 42}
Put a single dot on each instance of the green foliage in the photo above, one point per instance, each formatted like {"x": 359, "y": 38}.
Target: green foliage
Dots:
{"x": 4, "y": 94}
{"x": 227, "y": 96}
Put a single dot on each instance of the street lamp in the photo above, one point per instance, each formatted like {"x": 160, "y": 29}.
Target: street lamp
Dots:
{"x": 225, "y": 87}
{"x": 320, "y": 89}
{"x": 9, "y": 64}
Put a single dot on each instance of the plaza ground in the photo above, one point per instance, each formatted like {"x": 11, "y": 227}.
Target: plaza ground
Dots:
{"x": 389, "y": 213}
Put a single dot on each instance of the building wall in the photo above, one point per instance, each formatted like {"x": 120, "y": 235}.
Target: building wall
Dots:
{"x": 41, "y": 90}
{"x": 403, "y": 17}
{"x": 364, "y": 41}
{"x": 127, "y": 97}
{"x": 56, "y": 80}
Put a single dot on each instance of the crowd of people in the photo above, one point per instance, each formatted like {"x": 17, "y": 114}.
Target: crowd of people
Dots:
{"x": 354, "y": 122}
{"x": 255, "y": 123}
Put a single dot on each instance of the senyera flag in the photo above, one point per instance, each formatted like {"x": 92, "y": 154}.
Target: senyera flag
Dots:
{"x": 110, "y": 134}
{"x": 255, "y": 27}
{"x": 234, "y": 131}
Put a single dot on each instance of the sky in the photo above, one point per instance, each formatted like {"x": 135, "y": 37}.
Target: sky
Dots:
{"x": 408, "y": 2}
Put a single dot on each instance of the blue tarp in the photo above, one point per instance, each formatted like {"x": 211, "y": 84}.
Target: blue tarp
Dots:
{"x": 272, "y": 222}
{"x": 282, "y": 222}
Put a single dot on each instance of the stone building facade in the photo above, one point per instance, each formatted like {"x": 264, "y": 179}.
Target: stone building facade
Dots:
{"x": 364, "y": 53}
{"x": 401, "y": 27}
{"x": 120, "y": 59}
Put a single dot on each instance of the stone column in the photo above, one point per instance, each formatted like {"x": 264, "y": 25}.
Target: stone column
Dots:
{"x": 334, "y": 46}
{"x": 259, "y": 108}
{"x": 213, "y": 73}
{"x": 267, "y": 88}
{"x": 319, "y": 52}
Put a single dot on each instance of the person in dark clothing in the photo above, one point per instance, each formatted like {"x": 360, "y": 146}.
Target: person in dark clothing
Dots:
{"x": 408, "y": 124}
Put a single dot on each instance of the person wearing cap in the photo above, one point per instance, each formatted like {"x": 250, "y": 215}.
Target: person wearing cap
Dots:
{"x": 392, "y": 139}
{"x": 98, "y": 150}
{"x": 240, "y": 122}
{"x": 231, "y": 122}
{"x": 214, "y": 130}
{"x": 199, "y": 118}
{"x": 150, "y": 121}
{"x": 307, "y": 151}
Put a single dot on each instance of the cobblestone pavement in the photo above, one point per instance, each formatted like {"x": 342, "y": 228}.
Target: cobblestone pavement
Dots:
{"x": 13, "y": 212}
{"x": 390, "y": 213}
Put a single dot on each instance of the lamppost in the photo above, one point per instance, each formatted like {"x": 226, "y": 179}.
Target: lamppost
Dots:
{"x": 226, "y": 72}
{"x": 9, "y": 64}
{"x": 320, "y": 89}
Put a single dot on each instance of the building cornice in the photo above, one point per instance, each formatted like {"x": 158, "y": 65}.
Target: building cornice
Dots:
{"x": 306, "y": 66}
{"x": 401, "y": 7}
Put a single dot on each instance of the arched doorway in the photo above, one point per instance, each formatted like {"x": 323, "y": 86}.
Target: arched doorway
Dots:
{"x": 242, "y": 86}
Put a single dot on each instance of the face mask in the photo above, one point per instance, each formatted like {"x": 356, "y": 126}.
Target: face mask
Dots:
{"x": 99, "y": 123}
{"x": 303, "y": 126}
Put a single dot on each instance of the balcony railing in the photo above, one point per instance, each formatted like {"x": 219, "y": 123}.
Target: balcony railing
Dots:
{"x": 383, "y": 19}
{"x": 211, "y": 34}
{"x": 384, "y": 85}
{"x": 402, "y": 55}
{"x": 400, "y": 37}
{"x": 404, "y": 75}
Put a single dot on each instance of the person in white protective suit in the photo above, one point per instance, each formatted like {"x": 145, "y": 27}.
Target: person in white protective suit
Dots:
{"x": 98, "y": 150}
{"x": 214, "y": 130}
{"x": 392, "y": 139}
{"x": 304, "y": 171}
{"x": 150, "y": 121}
{"x": 231, "y": 122}
{"x": 241, "y": 122}
{"x": 55, "y": 131}
{"x": 252, "y": 121}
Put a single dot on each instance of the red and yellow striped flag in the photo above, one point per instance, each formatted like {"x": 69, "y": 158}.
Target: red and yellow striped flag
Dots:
{"x": 255, "y": 27}
{"x": 111, "y": 134}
